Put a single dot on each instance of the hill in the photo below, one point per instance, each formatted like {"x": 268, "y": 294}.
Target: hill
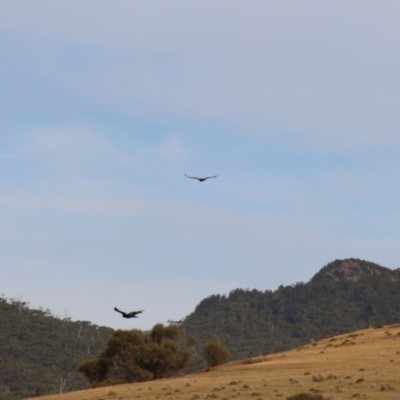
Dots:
{"x": 359, "y": 365}
{"x": 39, "y": 353}
{"x": 343, "y": 296}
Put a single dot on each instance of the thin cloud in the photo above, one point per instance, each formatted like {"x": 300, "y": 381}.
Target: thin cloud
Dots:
{"x": 304, "y": 75}
{"x": 75, "y": 145}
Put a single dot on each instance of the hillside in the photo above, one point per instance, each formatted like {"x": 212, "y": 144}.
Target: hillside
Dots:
{"x": 359, "y": 365}
{"x": 39, "y": 353}
{"x": 343, "y": 296}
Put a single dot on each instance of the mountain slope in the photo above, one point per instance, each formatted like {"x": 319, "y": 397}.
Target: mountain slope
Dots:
{"x": 343, "y": 296}
{"x": 39, "y": 353}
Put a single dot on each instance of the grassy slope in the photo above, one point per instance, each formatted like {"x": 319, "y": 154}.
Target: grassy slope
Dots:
{"x": 371, "y": 354}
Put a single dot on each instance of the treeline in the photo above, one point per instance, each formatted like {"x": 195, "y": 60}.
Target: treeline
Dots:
{"x": 344, "y": 296}
{"x": 40, "y": 354}
{"x": 137, "y": 356}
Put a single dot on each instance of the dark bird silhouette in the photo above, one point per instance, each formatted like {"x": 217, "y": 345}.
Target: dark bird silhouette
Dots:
{"x": 132, "y": 314}
{"x": 201, "y": 179}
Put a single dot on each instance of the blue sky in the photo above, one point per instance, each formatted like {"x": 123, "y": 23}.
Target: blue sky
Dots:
{"x": 105, "y": 105}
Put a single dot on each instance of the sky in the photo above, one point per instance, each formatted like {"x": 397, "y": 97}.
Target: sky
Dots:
{"x": 105, "y": 105}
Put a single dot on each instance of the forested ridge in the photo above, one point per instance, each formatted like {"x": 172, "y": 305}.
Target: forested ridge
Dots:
{"x": 343, "y": 296}
{"x": 39, "y": 353}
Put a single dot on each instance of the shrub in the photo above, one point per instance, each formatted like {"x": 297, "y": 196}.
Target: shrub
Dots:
{"x": 332, "y": 376}
{"x": 215, "y": 353}
{"x": 318, "y": 378}
{"x": 306, "y": 396}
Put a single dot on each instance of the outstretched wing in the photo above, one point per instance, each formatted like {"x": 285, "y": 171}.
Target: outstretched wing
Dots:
{"x": 201, "y": 179}
{"x": 116, "y": 309}
{"x": 133, "y": 314}
{"x": 191, "y": 177}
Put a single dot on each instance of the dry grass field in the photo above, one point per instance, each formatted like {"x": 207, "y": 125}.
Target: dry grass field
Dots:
{"x": 360, "y": 365}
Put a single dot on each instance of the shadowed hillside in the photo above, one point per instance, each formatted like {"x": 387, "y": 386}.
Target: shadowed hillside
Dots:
{"x": 39, "y": 353}
{"x": 343, "y": 296}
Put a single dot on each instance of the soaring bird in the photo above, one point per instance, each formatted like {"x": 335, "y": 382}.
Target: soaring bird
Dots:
{"x": 201, "y": 179}
{"x": 132, "y": 314}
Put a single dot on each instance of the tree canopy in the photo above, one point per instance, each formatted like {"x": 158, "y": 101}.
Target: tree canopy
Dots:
{"x": 132, "y": 355}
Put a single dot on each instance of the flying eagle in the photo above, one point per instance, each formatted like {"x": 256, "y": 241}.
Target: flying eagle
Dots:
{"x": 132, "y": 314}
{"x": 201, "y": 179}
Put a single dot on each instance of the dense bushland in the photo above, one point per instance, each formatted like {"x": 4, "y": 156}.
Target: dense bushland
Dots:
{"x": 40, "y": 354}
{"x": 343, "y": 296}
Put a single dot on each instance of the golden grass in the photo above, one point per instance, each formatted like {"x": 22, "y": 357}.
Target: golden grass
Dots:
{"x": 350, "y": 366}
